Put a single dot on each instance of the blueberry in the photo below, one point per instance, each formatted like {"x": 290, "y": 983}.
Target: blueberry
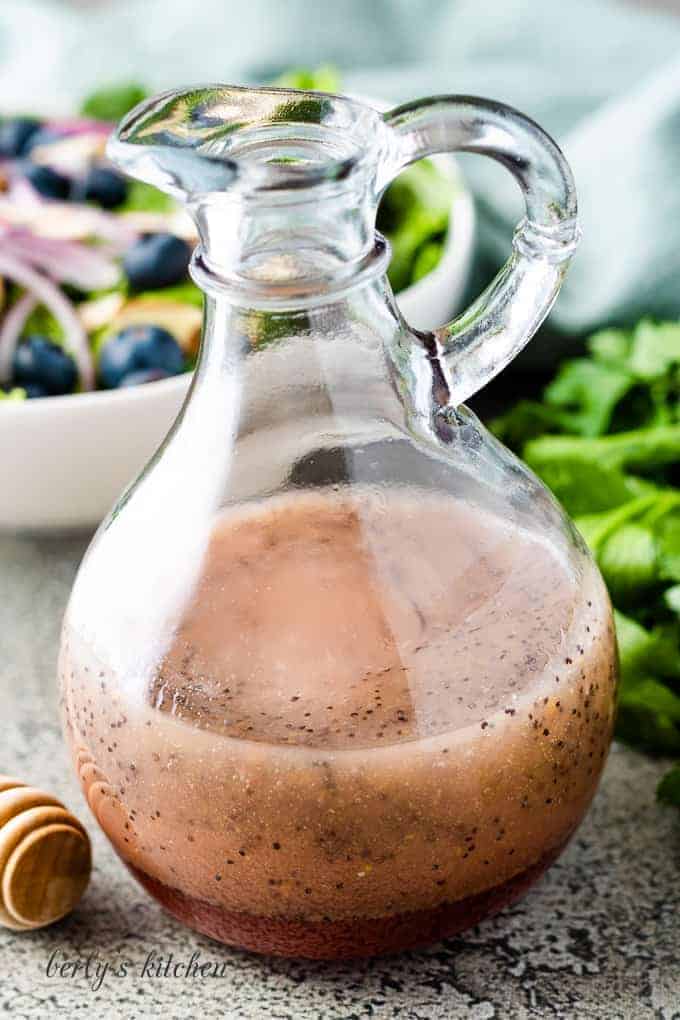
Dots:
{"x": 15, "y": 135}
{"x": 43, "y": 136}
{"x": 104, "y": 186}
{"x": 143, "y": 375}
{"x": 34, "y": 390}
{"x": 40, "y": 364}
{"x": 137, "y": 349}
{"x": 118, "y": 358}
{"x": 156, "y": 260}
{"x": 47, "y": 181}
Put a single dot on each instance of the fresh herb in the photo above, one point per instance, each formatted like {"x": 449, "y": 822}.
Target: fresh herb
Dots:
{"x": 606, "y": 439}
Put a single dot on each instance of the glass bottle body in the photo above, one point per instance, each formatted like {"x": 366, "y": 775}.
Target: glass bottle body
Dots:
{"x": 337, "y": 674}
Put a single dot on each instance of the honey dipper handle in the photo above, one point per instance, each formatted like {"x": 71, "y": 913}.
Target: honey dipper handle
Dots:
{"x": 45, "y": 857}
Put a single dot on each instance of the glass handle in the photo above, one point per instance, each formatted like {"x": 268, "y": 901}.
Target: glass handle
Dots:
{"x": 481, "y": 341}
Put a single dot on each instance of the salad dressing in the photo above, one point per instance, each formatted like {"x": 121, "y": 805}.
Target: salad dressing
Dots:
{"x": 396, "y": 709}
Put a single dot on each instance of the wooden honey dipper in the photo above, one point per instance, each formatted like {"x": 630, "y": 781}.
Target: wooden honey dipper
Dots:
{"x": 45, "y": 857}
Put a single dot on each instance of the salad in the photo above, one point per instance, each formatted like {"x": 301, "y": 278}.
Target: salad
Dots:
{"x": 94, "y": 284}
{"x": 605, "y": 437}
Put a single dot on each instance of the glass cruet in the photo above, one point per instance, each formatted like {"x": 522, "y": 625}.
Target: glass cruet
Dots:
{"x": 337, "y": 674}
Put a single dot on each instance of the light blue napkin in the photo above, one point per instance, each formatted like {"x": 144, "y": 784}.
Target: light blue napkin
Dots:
{"x": 604, "y": 78}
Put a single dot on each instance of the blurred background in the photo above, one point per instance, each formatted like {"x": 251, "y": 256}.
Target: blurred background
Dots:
{"x": 603, "y": 77}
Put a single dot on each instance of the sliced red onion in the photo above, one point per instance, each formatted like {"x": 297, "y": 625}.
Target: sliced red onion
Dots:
{"x": 22, "y": 205}
{"x": 79, "y": 125}
{"x": 10, "y": 331}
{"x": 83, "y": 266}
{"x": 176, "y": 222}
{"x": 110, "y": 228}
{"x": 22, "y": 193}
{"x": 48, "y": 294}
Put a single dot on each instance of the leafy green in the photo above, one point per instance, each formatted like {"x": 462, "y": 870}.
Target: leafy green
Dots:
{"x": 668, "y": 789}
{"x": 113, "y": 101}
{"x": 587, "y": 392}
{"x": 186, "y": 292}
{"x": 527, "y": 420}
{"x": 596, "y": 528}
{"x": 649, "y": 714}
{"x": 606, "y": 439}
{"x": 42, "y": 322}
{"x": 414, "y": 214}
{"x": 610, "y": 346}
{"x": 426, "y": 259}
{"x": 583, "y": 486}
{"x": 668, "y": 539}
{"x": 325, "y": 78}
{"x": 143, "y": 197}
{"x": 646, "y": 650}
{"x": 641, "y": 450}
{"x": 671, "y": 598}
{"x": 655, "y": 350}
{"x": 16, "y": 393}
{"x": 628, "y": 562}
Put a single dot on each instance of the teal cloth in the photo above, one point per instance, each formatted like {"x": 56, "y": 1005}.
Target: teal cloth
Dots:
{"x": 604, "y": 78}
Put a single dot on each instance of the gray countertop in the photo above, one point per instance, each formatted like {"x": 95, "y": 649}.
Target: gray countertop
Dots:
{"x": 599, "y": 937}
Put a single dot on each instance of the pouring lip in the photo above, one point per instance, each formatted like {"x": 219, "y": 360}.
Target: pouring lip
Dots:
{"x": 205, "y": 139}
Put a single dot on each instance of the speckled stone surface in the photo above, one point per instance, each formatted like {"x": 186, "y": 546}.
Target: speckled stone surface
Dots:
{"x": 598, "y": 938}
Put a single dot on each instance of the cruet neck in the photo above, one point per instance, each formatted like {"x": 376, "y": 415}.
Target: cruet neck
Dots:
{"x": 283, "y": 185}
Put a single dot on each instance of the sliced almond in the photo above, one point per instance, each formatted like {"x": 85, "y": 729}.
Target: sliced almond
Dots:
{"x": 99, "y": 312}
{"x": 72, "y": 154}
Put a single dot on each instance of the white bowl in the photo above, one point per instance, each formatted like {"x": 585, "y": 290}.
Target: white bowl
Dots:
{"x": 65, "y": 460}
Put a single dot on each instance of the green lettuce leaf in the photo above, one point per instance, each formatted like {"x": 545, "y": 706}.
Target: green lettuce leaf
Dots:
{"x": 606, "y": 439}
{"x": 111, "y": 102}
{"x": 325, "y": 78}
{"x": 588, "y": 392}
{"x": 143, "y": 197}
{"x": 187, "y": 292}
{"x": 628, "y": 561}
